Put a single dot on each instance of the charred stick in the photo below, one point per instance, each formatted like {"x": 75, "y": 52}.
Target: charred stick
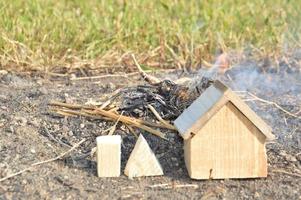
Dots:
{"x": 157, "y": 115}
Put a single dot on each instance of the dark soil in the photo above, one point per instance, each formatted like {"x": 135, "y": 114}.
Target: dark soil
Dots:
{"x": 30, "y": 133}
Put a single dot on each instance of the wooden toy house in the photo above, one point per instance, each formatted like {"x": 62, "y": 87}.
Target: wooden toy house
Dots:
{"x": 223, "y": 137}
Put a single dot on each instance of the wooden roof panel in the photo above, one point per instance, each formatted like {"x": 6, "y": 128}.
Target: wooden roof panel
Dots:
{"x": 199, "y": 108}
{"x": 204, "y": 107}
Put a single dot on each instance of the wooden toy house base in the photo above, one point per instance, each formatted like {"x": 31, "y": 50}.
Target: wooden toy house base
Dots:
{"x": 224, "y": 138}
{"x": 223, "y": 149}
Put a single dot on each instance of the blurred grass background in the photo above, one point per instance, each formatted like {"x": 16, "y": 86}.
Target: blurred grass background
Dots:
{"x": 40, "y": 34}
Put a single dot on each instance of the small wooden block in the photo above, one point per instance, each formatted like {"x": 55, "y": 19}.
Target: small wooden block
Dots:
{"x": 142, "y": 161}
{"x": 108, "y": 155}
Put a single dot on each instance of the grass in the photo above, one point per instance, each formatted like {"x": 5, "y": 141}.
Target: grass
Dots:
{"x": 45, "y": 34}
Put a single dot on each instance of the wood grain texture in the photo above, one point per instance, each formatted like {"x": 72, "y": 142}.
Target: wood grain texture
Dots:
{"x": 108, "y": 155}
{"x": 227, "y": 146}
{"x": 187, "y": 155}
{"x": 142, "y": 161}
{"x": 250, "y": 114}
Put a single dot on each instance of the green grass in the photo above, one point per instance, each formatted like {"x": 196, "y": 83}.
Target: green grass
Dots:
{"x": 42, "y": 34}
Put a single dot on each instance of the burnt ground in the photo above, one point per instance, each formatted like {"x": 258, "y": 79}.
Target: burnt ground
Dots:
{"x": 29, "y": 133}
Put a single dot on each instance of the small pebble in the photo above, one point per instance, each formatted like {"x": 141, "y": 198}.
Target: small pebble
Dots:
{"x": 3, "y": 72}
{"x": 70, "y": 133}
{"x": 43, "y": 90}
{"x": 3, "y": 107}
{"x": 33, "y": 151}
{"x": 39, "y": 82}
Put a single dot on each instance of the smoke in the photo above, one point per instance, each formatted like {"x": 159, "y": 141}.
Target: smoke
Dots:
{"x": 280, "y": 84}
{"x": 258, "y": 77}
{"x": 250, "y": 77}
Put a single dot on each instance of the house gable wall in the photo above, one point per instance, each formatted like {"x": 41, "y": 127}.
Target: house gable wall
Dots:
{"x": 227, "y": 146}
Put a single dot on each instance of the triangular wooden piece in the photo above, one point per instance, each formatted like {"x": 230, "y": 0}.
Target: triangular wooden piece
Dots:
{"x": 142, "y": 161}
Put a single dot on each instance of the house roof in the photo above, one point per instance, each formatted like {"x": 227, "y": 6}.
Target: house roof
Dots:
{"x": 212, "y": 100}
